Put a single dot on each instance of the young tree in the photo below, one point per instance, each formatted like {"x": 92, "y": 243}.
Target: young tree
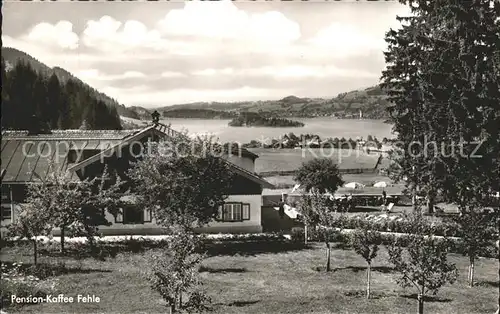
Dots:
{"x": 182, "y": 182}
{"x": 74, "y": 205}
{"x": 317, "y": 177}
{"x": 31, "y": 222}
{"x": 320, "y": 213}
{"x": 455, "y": 43}
{"x": 421, "y": 259}
{"x": 174, "y": 274}
{"x": 321, "y": 174}
{"x": 366, "y": 243}
{"x": 478, "y": 233}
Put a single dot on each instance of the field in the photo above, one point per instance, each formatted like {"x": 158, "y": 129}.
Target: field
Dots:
{"x": 275, "y": 160}
{"x": 281, "y": 280}
{"x": 364, "y": 178}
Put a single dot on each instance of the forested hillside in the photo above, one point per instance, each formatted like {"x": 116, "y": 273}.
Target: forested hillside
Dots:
{"x": 57, "y": 105}
{"x": 198, "y": 113}
{"x": 13, "y": 56}
{"x": 371, "y": 103}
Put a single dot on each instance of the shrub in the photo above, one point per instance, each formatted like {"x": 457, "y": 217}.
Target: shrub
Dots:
{"x": 297, "y": 235}
{"x": 16, "y": 282}
{"x": 174, "y": 274}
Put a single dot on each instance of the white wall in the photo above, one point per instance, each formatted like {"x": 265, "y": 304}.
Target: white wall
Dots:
{"x": 252, "y": 225}
{"x": 5, "y": 223}
{"x": 151, "y": 228}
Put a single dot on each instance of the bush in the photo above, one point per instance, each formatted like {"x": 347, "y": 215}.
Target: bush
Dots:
{"x": 399, "y": 224}
{"x": 16, "y": 282}
{"x": 297, "y": 235}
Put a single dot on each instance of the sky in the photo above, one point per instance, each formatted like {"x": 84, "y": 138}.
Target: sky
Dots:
{"x": 164, "y": 53}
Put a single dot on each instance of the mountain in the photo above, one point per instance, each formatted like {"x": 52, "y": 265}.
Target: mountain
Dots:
{"x": 371, "y": 102}
{"x": 12, "y": 56}
{"x": 197, "y": 113}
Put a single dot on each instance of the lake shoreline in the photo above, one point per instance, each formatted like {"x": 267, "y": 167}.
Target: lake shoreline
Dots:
{"x": 325, "y": 127}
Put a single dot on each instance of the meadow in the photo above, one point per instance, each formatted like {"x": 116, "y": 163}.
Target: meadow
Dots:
{"x": 367, "y": 179}
{"x": 255, "y": 277}
{"x": 283, "y": 160}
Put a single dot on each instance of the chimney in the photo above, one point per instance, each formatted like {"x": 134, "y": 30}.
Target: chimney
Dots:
{"x": 36, "y": 127}
{"x": 156, "y": 117}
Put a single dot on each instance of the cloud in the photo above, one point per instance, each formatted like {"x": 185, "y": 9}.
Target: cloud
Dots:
{"x": 172, "y": 74}
{"x": 345, "y": 40}
{"x": 201, "y": 51}
{"x": 59, "y": 35}
{"x": 96, "y": 75}
{"x": 222, "y": 20}
{"x": 107, "y": 34}
{"x": 289, "y": 71}
{"x": 138, "y": 96}
{"x": 213, "y": 72}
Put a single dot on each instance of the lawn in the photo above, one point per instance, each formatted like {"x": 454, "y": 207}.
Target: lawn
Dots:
{"x": 367, "y": 179}
{"x": 276, "y": 160}
{"x": 249, "y": 279}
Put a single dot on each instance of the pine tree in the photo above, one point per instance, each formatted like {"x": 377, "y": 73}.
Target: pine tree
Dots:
{"x": 54, "y": 95}
{"x": 443, "y": 76}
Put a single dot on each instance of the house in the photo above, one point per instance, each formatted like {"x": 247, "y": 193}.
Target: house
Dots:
{"x": 83, "y": 153}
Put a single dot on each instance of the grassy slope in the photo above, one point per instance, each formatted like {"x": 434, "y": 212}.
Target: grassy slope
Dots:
{"x": 292, "y": 159}
{"x": 283, "y": 282}
{"x": 363, "y": 178}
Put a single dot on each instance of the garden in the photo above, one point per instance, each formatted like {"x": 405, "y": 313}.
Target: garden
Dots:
{"x": 247, "y": 274}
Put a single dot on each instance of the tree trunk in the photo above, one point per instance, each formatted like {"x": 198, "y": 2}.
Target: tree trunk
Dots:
{"x": 305, "y": 233}
{"x": 420, "y": 303}
{"x": 327, "y": 256}
{"x": 414, "y": 198}
{"x": 368, "y": 275}
{"x": 430, "y": 203}
{"x": 35, "y": 252}
{"x": 62, "y": 240}
{"x": 468, "y": 275}
{"x": 471, "y": 272}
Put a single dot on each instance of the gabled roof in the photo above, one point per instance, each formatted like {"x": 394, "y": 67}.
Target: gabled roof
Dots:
{"x": 24, "y": 154}
{"x": 165, "y": 131}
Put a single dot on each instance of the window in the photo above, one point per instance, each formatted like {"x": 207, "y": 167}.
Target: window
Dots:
{"x": 6, "y": 202}
{"x": 233, "y": 212}
{"x": 131, "y": 215}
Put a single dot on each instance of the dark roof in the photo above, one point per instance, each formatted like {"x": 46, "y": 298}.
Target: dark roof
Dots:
{"x": 238, "y": 150}
{"x": 72, "y": 134}
{"x": 165, "y": 131}
{"x": 23, "y": 154}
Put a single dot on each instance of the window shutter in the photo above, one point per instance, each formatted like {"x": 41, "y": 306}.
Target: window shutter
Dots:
{"x": 6, "y": 202}
{"x": 237, "y": 212}
{"x": 6, "y": 194}
{"x": 147, "y": 215}
{"x": 246, "y": 212}
{"x": 219, "y": 213}
{"x": 119, "y": 216}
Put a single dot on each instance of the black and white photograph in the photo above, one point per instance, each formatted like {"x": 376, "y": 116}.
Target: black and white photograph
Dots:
{"x": 250, "y": 157}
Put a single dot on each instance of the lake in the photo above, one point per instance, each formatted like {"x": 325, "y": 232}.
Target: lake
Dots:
{"x": 324, "y": 127}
